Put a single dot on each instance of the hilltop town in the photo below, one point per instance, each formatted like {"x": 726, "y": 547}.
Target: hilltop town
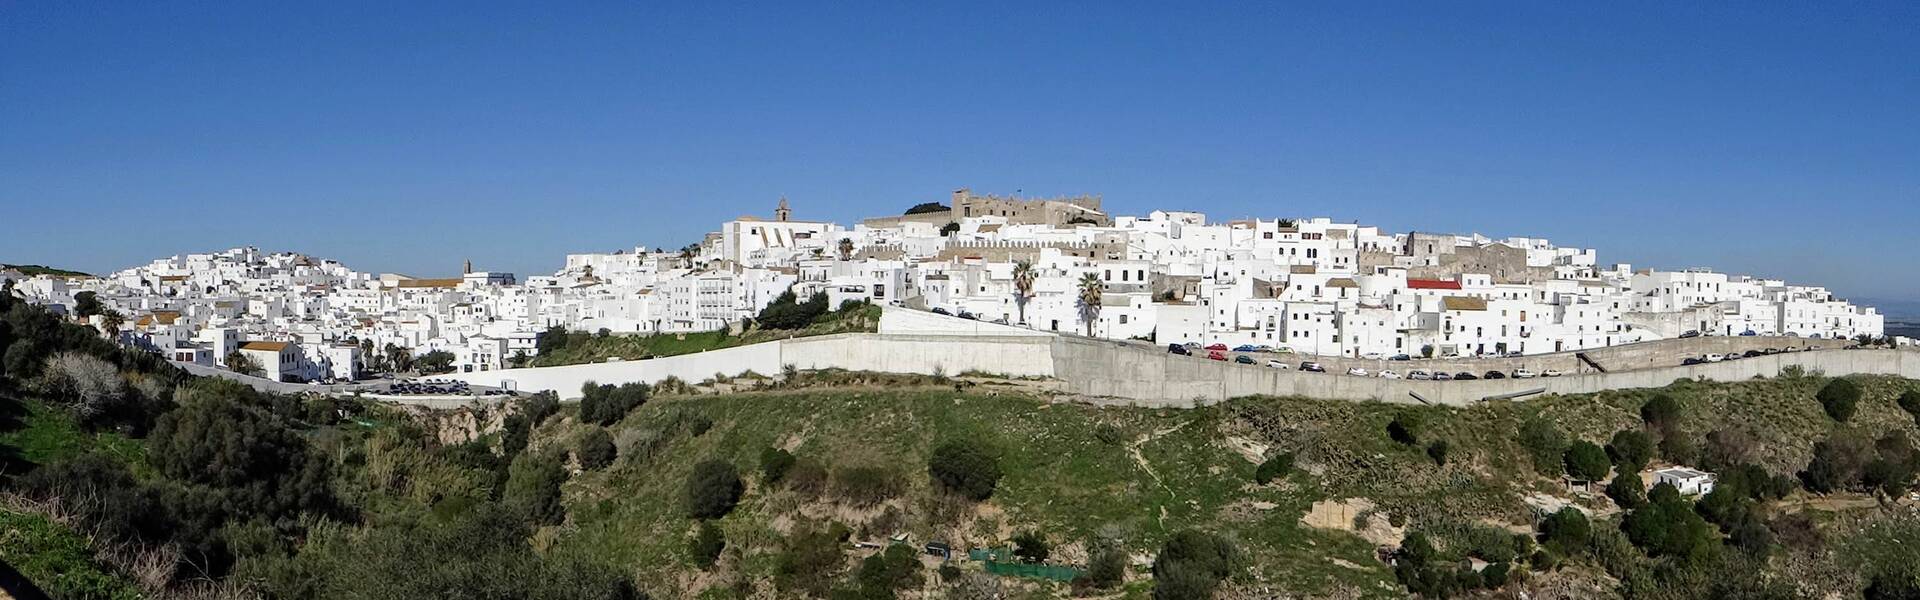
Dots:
{"x": 1065, "y": 265}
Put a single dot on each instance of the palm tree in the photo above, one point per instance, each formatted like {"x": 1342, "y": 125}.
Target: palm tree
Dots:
{"x": 1090, "y": 292}
{"x": 111, "y": 321}
{"x": 1023, "y": 276}
{"x": 846, "y": 248}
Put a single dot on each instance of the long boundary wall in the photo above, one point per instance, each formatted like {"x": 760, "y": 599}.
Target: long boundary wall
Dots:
{"x": 1124, "y": 373}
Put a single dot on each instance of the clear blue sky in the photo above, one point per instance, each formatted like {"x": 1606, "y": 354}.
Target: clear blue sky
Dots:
{"x": 408, "y": 136}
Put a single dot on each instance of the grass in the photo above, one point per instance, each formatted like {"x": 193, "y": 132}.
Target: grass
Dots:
{"x": 1060, "y": 479}
{"x": 634, "y": 347}
{"x": 42, "y": 434}
{"x": 57, "y": 559}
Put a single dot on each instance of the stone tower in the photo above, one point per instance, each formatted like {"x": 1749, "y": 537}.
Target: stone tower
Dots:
{"x": 782, "y": 212}
{"x": 469, "y": 267}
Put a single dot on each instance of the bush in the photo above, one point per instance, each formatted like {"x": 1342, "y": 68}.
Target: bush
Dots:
{"x": 1191, "y": 565}
{"x": 774, "y": 463}
{"x": 596, "y": 449}
{"x": 713, "y": 488}
{"x": 1107, "y": 567}
{"x": 866, "y": 486}
{"x": 1544, "y": 444}
{"x": 1438, "y": 452}
{"x": 1668, "y": 526}
{"x": 706, "y": 545}
{"x": 965, "y": 470}
{"x": 1404, "y": 429}
{"x": 539, "y": 407}
{"x": 1586, "y": 461}
{"x": 890, "y": 570}
{"x": 1275, "y": 467}
{"x": 1630, "y": 450}
{"x": 1626, "y": 492}
{"x": 607, "y": 404}
{"x": 1566, "y": 531}
{"x": 533, "y": 489}
{"x": 1661, "y": 411}
{"x": 1838, "y": 463}
{"x": 103, "y": 494}
{"x": 1031, "y": 547}
{"x": 787, "y": 312}
{"x": 1839, "y": 399}
{"x": 811, "y": 558}
{"x": 1910, "y": 402}
{"x": 217, "y": 442}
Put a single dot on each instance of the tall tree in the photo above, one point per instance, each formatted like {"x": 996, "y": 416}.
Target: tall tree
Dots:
{"x": 1023, "y": 277}
{"x": 110, "y": 322}
{"x": 1090, "y": 293}
{"x": 846, "y": 248}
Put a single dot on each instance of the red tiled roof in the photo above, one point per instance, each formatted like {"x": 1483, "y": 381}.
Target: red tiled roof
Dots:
{"x": 1433, "y": 284}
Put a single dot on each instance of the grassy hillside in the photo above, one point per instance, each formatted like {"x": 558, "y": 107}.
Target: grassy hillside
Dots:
{"x": 32, "y": 270}
{"x": 1079, "y": 474}
{"x": 587, "y": 347}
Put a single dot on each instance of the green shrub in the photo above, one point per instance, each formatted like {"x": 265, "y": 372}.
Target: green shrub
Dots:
{"x": 713, "y": 488}
{"x": 1107, "y": 567}
{"x": 1191, "y": 565}
{"x": 1275, "y": 467}
{"x": 1661, "y": 411}
{"x": 596, "y": 449}
{"x": 1910, "y": 402}
{"x": 1839, "y": 398}
{"x": 774, "y": 464}
{"x": 964, "y": 469}
{"x": 1544, "y": 444}
{"x": 1438, "y": 452}
{"x": 1031, "y": 547}
{"x": 1626, "y": 492}
{"x": 1566, "y": 531}
{"x": 1585, "y": 460}
{"x": 1630, "y": 450}
{"x": 1405, "y": 429}
{"x": 706, "y": 545}
{"x": 866, "y": 486}
{"x": 533, "y": 489}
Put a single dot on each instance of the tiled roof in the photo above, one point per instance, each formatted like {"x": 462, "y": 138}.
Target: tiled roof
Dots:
{"x": 1433, "y": 284}
{"x": 1462, "y": 303}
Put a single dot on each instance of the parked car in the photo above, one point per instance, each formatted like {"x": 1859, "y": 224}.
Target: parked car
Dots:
{"x": 1216, "y": 355}
{"x": 1550, "y": 373}
{"x": 1749, "y": 333}
{"x": 1690, "y": 361}
{"x": 1312, "y": 367}
{"x": 1178, "y": 349}
{"x": 1690, "y": 334}
{"x": 1420, "y": 375}
{"x": 1243, "y": 359}
{"x": 1357, "y": 372}
{"x": 1715, "y": 357}
{"x": 1400, "y": 357}
{"x": 1263, "y": 348}
{"x": 1733, "y": 356}
{"x": 1464, "y": 376}
{"x": 1243, "y": 348}
{"x": 1493, "y": 375}
{"x": 941, "y": 311}
{"x": 1388, "y": 374}
{"x": 1220, "y": 347}
{"x": 1442, "y": 376}
{"x": 968, "y": 316}
{"x": 1770, "y": 351}
{"x": 1372, "y": 356}
{"x": 1524, "y": 373}
{"x": 1275, "y": 363}
{"x": 1192, "y": 345}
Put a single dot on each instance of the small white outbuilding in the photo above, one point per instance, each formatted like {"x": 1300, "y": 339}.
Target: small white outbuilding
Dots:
{"x": 1691, "y": 482}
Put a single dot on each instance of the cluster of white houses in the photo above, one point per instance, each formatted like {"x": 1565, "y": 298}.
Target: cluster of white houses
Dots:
{"x": 1309, "y": 285}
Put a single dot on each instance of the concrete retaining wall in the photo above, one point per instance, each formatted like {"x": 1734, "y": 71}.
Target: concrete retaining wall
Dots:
{"x": 1127, "y": 374}
{"x": 1663, "y": 353}
{"x": 1018, "y": 356}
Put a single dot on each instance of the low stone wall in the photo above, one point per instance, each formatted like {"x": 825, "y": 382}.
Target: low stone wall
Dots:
{"x": 1128, "y": 374}
{"x": 1663, "y": 353}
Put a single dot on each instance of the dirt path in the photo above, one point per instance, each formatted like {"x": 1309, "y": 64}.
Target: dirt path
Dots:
{"x": 1133, "y": 449}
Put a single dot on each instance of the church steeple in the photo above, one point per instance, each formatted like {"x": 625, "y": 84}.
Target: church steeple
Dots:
{"x": 781, "y": 213}
{"x": 469, "y": 268}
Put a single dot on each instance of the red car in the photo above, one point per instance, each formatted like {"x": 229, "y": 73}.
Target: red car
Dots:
{"x": 1216, "y": 355}
{"x": 1217, "y": 347}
